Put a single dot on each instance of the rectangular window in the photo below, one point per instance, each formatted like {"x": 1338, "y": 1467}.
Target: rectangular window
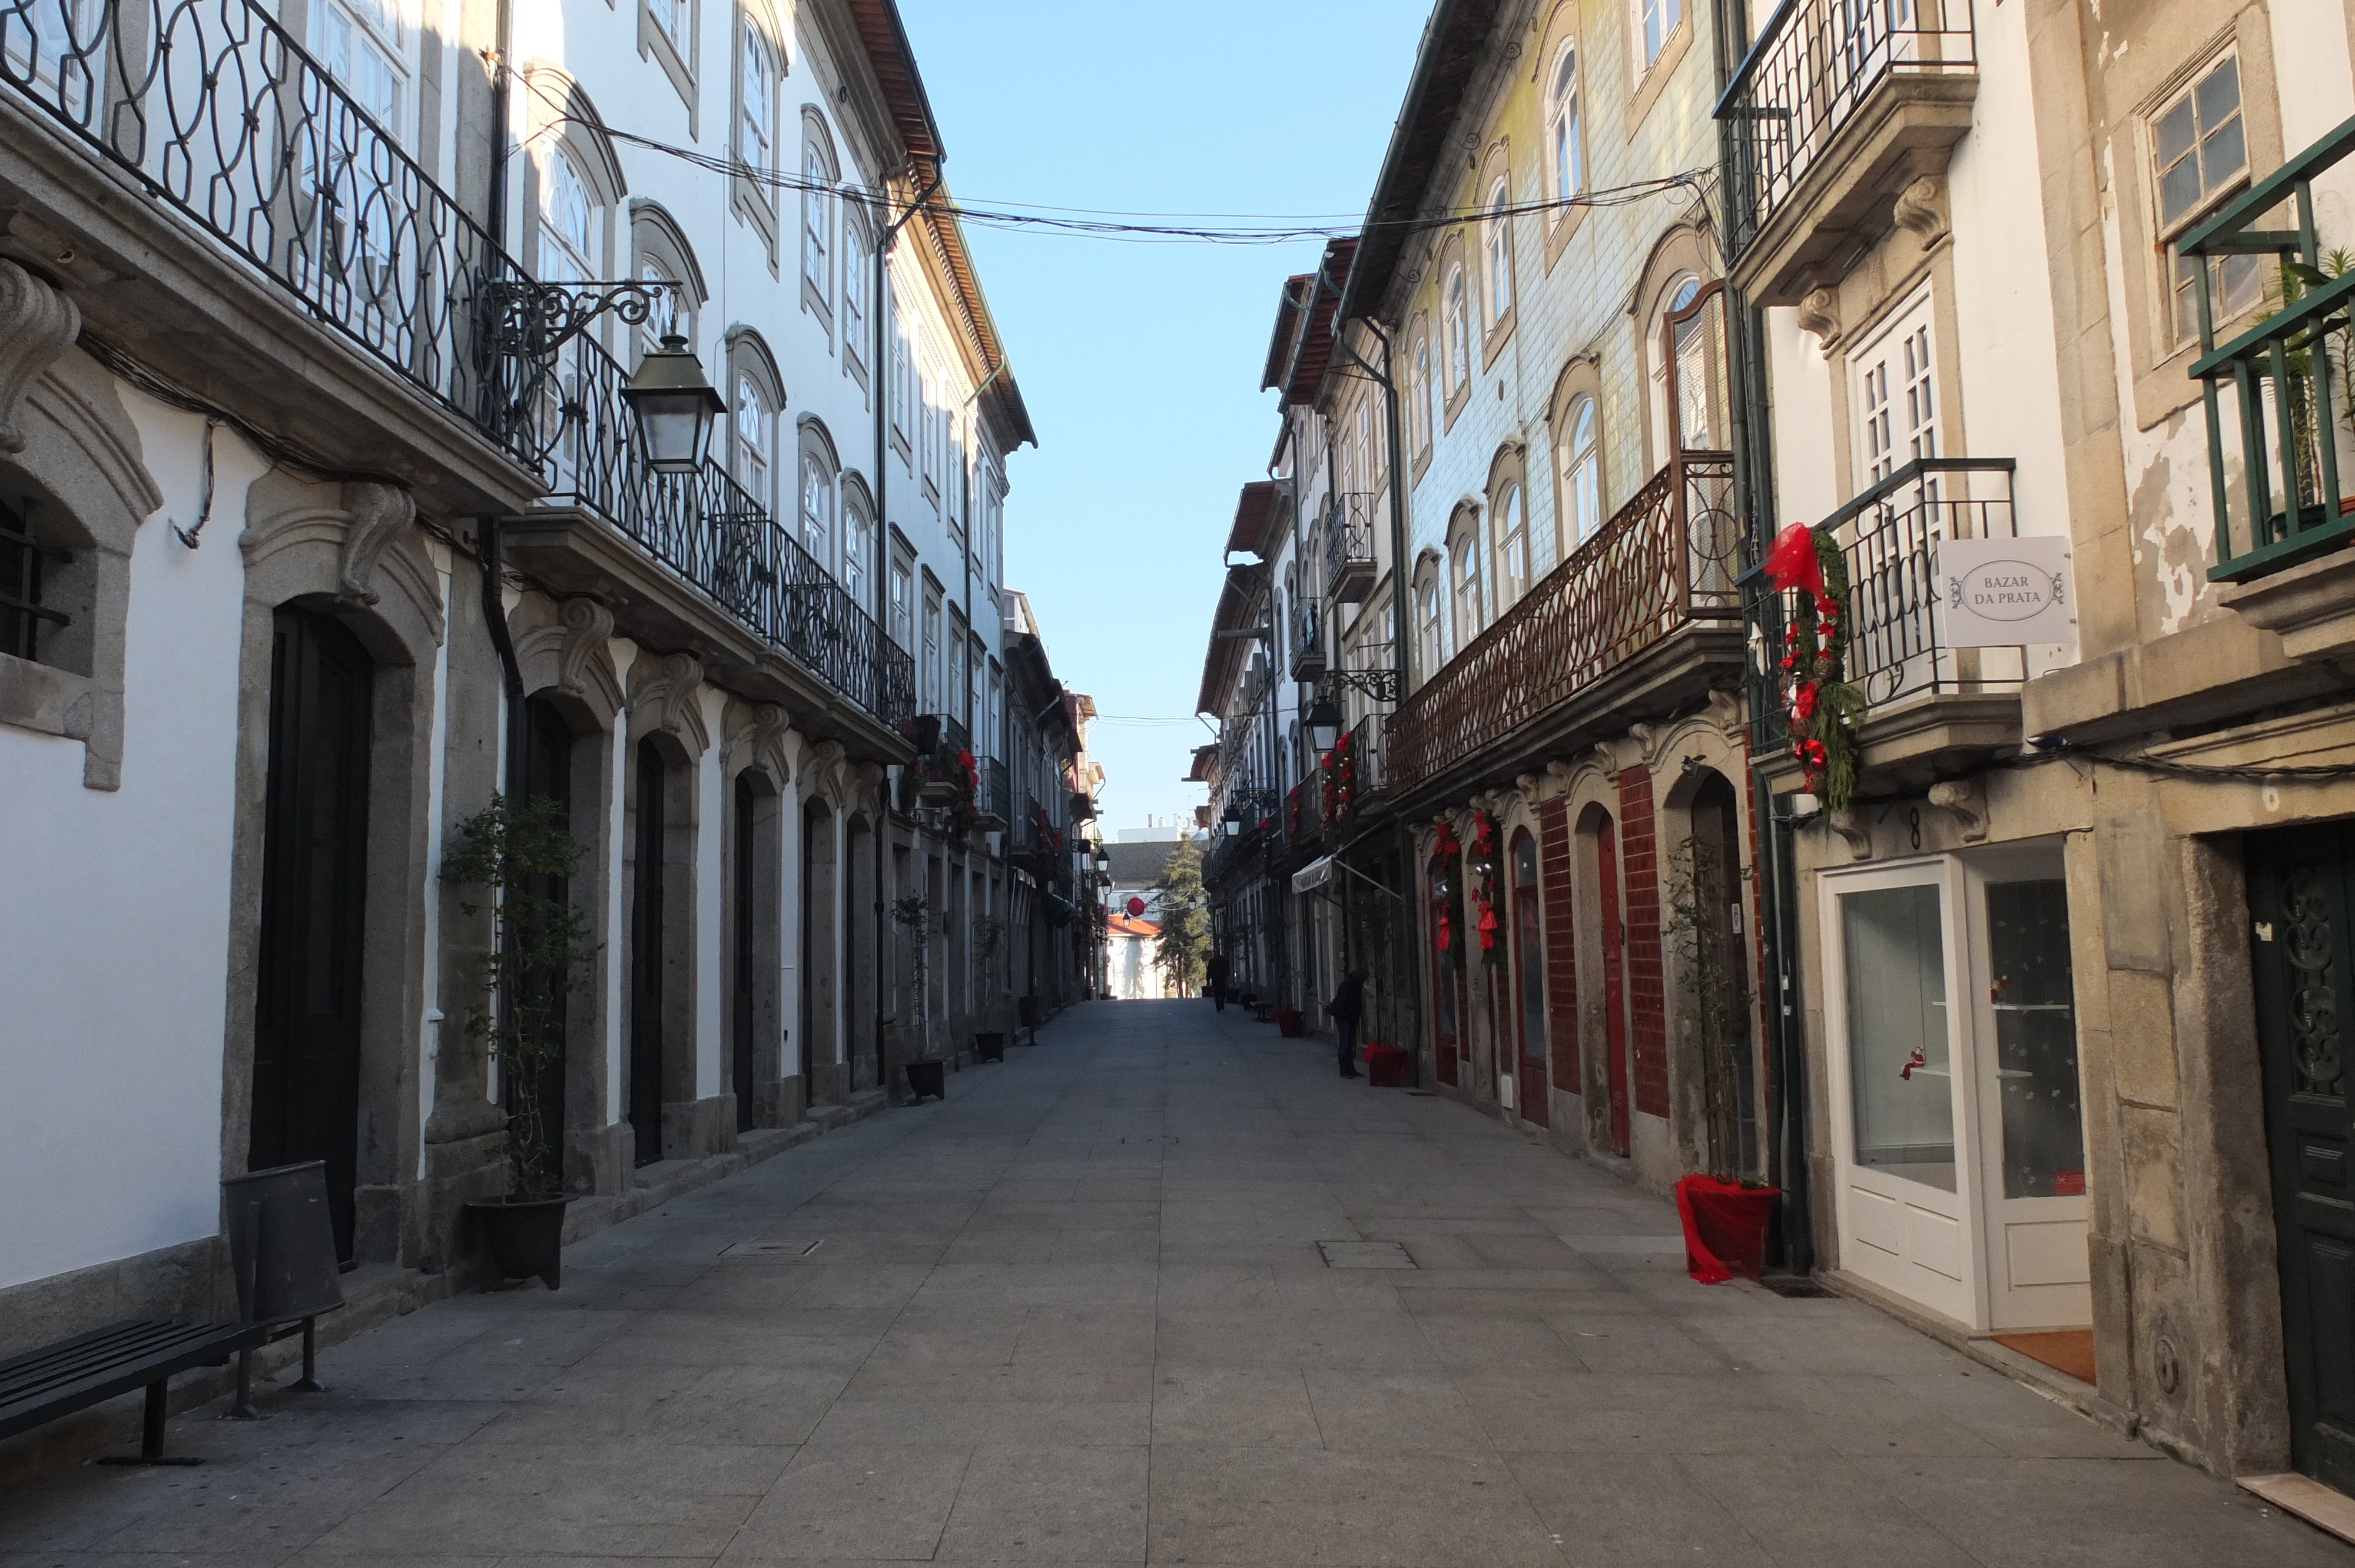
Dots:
{"x": 903, "y": 600}
{"x": 817, "y": 222}
{"x": 932, "y": 655}
{"x": 1895, "y": 397}
{"x": 855, "y": 263}
{"x": 756, "y": 122}
{"x": 2200, "y": 153}
{"x": 1901, "y": 1079}
{"x": 361, "y": 42}
{"x": 1660, "y": 24}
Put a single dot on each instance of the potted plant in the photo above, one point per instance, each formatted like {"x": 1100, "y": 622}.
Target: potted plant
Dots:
{"x": 518, "y": 859}
{"x": 927, "y": 1075}
{"x": 989, "y": 934}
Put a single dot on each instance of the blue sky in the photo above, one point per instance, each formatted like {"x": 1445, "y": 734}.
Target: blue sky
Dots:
{"x": 1141, "y": 362}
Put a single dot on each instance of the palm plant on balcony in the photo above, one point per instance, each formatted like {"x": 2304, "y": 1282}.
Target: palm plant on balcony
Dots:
{"x": 2334, "y": 340}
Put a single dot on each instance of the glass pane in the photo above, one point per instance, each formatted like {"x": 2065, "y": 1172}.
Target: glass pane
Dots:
{"x": 2036, "y": 1040}
{"x": 2172, "y": 134}
{"x": 1900, "y": 1076}
{"x": 2218, "y": 97}
{"x": 2178, "y": 190}
{"x": 2223, "y": 155}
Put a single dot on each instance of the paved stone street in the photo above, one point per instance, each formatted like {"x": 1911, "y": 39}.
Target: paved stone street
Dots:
{"x": 1079, "y": 1315}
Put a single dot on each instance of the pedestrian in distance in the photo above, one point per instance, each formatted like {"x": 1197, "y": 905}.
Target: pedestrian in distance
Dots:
{"x": 1214, "y": 974}
{"x": 1347, "y": 1005}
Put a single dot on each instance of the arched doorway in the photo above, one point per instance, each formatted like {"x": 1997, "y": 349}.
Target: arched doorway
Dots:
{"x": 755, "y": 1048}
{"x": 1529, "y": 1001}
{"x": 1718, "y": 991}
{"x": 662, "y": 948}
{"x": 306, "y": 1026}
{"x": 1599, "y": 845}
{"x": 820, "y": 905}
{"x": 547, "y": 743}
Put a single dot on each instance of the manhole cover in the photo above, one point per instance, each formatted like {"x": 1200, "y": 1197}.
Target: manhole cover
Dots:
{"x": 772, "y": 1249}
{"x": 1364, "y": 1255}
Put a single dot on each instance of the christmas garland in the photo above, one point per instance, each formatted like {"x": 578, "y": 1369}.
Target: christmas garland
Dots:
{"x": 1451, "y": 861}
{"x": 1485, "y": 869}
{"x": 1822, "y": 708}
{"x": 1292, "y": 806}
{"x": 955, "y": 766}
{"x": 1341, "y": 786}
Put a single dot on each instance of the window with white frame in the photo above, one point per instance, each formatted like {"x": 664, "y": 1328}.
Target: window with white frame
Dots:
{"x": 1466, "y": 563}
{"x": 1512, "y": 549}
{"x": 1565, "y": 135}
{"x": 1419, "y": 401}
{"x": 1895, "y": 395}
{"x": 1681, "y": 292}
{"x": 988, "y": 739}
{"x": 817, "y": 507}
{"x": 754, "y": 442}
{"x": 756, "y": 99}
{"x": 930, "y": 659}
{"x": 1458, "y": 327}
{"x": 903, "y": 599}
{"x": 668, "y": 315}
{"x": 855, "y": 284}
{"x": 858, "y": 546}
{"x": 817, "y": 220}
{"x": 1496, "y": 249}
{"x": 672, "y": 17}
{"x": 1364, "y": 444}
{"x": 1655, "y": 24}
{"x": 1430, "y": 634}
{"x": 2200, "y": 153}
{"x": 567, "y": 219}
{"x": 364, "y": 44}
{"x": 1579, "y": 459}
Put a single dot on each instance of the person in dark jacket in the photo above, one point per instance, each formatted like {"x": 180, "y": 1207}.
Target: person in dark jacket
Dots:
{"x": 1214, "y": 974}
{"x": 1347, "y": 1005}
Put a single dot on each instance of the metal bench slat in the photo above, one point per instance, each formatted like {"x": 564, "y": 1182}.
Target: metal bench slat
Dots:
{"x": 44, "y": 1385}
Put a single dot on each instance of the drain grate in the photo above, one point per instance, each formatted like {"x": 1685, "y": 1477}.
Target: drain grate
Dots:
{"x": 1364, "y": 1255}
{"x": 779, "y": 1251}
{"x": 1423, "y": 1094}
{"x": 1798, "y": 1285}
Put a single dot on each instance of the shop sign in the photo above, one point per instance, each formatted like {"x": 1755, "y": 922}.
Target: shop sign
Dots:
{"x": 2006, "y": 593}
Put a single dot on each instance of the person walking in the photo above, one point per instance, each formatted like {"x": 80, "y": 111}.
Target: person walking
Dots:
{"x": 1347, "y": 1005}
{"x": 1215, "y": 974}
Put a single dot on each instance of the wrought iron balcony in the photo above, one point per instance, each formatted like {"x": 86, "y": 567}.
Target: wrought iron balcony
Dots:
{"x": 2289, "y": 423}
{"x": 1839, "y": 105}
{"x": 1307, "y": 639}
{"x": 1929, "y": 705}
{"x": 219, "y": 115}
{"x": 996, "y": 794}
{"x": 1665, "y": 563}
{"x": 1349, "y": 561}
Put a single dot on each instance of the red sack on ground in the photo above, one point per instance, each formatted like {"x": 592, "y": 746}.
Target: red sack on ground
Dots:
{"x": 1725, "y": 1227}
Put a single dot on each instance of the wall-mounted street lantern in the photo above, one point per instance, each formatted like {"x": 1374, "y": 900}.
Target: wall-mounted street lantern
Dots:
{"x": 1323, "y": 724}
{"x": 676, "y": 407}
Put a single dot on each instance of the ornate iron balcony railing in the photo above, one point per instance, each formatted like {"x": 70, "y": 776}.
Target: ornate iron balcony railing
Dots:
{"x": 1666, "y": 560}
{"x": 214, "y": 110}
{"x": 1815, "y": 65}
{"x": 2293, "y": 411}
{"x": 996, "y": 794}
{"x": 1889, "y": 535}
{"x": 1349, "y": 560}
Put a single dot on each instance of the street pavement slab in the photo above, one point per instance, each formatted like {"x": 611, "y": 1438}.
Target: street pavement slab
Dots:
{"x": 1162, "y": 1290}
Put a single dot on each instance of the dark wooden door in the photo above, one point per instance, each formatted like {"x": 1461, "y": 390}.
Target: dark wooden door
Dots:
{"x": 2301, "y": 886}
{"x": 746, "y": 997}
{"x": 547, "y": 775}
{"x": 306, "y": 1025}
{"x": 647, "y": 958}
{"x": 1530, "y": 979}
{"x": 1446, "y": 976}
{"x": 1615, "y": 984}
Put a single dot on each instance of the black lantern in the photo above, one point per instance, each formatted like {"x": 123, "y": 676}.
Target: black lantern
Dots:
{"x": 1323, "y": 724}
{"x": 676, "y": 407}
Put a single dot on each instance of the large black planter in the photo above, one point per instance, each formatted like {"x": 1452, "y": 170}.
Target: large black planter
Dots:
{"x": 928, "y": 1078}
{"x": 1026, "y": 1011}
{"x": 526, "y": 1236}
{"x": 989, "y": 1047}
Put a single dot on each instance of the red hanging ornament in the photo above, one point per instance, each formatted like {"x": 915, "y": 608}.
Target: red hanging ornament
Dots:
{"x": 1791, "y": 561}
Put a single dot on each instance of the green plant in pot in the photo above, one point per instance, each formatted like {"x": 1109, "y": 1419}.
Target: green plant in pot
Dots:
{"x": 516, "y": 861}
{"x": 912, "y": 913}
{"x": 988, "y": 937}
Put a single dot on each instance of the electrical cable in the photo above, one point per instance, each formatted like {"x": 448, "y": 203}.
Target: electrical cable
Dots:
{"x": 2197, "y": 772}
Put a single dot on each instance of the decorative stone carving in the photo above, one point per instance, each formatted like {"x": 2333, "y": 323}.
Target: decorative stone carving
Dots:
{"x": 38, "y": 323}
{"x": 585, "y": 665}
{"x": 1966, "y": 800}
{"x": 755, "y": 741}
{"x": 1922, "y": 209}
{"x": 1725, "y": 711}
{"x": 668, "y": 697}
{"x": 1819, "y": 314}
{"x": 1849, "y": 824}
{"x": 822, "y": 774}
{"x": 374, "y": 515}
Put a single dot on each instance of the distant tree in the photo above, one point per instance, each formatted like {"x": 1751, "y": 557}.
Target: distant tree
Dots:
{"x": 1184, "y": 911}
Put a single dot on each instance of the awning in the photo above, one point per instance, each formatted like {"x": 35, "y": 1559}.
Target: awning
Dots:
{"x": 1314, "y": 875}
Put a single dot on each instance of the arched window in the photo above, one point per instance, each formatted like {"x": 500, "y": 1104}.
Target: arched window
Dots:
{"x": 1681, "y": 292}
{"x": 662, "y": 256}
{"x": 1430, "y": 636}
{"x": 817, "y": 504}
{"x": 755, "y": 438}
{"x": 1496, "y": 247}
{"x": 1512, "y": 549}
{"x": 855, "y": 286}
{"x": 1579, "y": 471}
{"x": 1698, "y": 345}
{"x": 756, "y": 100}
{"x": 1458, "y": 327}
{"x": 1466, "y": 563}
{"x": 1529, "y": 955}
{"x": 568, "y": 226}
{"x": 1565, "y": 136}
{"x": 858, "y": 541}
{"x": 817, "y": 212}
{"x": 1419, "y": 405}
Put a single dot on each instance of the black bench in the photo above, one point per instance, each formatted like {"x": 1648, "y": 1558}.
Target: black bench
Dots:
{"x": 72, "y": 1374}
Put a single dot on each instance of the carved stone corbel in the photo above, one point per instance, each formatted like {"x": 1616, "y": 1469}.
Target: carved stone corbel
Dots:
{"x": 38, "y": 323}
{"x": 754, "y": 742}
{"x": 374, "y": 515}
{"x": 1615, "y": 757}
{"x": 1725, "y": 711}
{"x": 1819, "y": 314}
{"x": 1965, "y": 800}
{"x": 586, "y": 655}
{"x": 1921, "y": 209}
{"x": 823, "y": 773}
{"x": 1849, "y": 824}
{"x": 669, "y": 698}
